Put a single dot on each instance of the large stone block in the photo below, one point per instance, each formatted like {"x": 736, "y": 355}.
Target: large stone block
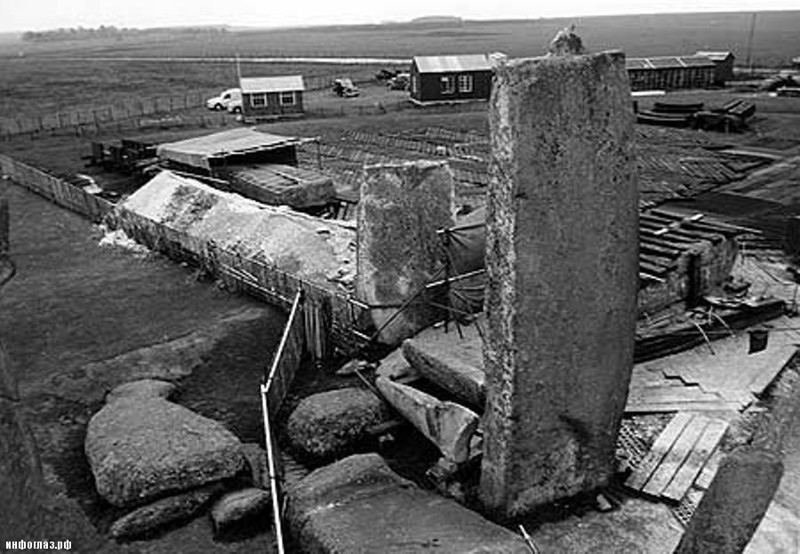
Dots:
{"x": 143, "y": 448}
{"x": 562, "y": 265}
{"x": 360, "y": 506}
{"x": 401, "y": 208}
{"x": 734, "y": 504}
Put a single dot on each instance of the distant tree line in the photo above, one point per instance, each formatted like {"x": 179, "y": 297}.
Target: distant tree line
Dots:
{"x": 107, "y": 32}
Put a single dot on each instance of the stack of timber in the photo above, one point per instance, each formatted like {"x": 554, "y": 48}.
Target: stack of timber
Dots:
{"x": 684, "y": 455}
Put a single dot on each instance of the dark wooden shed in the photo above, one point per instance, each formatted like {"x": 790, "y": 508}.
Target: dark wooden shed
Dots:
{"x": 446, "y": 79}
{"x": 724, "y": 61}
{"x": 271, "y": 97}
{"x": 670, "y": 72}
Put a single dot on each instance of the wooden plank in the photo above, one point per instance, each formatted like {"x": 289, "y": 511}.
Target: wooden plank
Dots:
{"x": 671, "y": 394}
{"x": 671, "y": 463}
{"x": 701, "y": 406}
{"x": 706, "y": 476}
{"x": 660, "y": 447}
{"x": 768, "y": 374}
{"x": 693, "y": 465}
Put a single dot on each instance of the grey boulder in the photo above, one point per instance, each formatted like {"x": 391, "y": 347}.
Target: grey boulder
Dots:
{"x": 151, "y": 517}
{"x": 143, "y": 388}
{"x": 236, "y": 506}
{"x": 330, "y": 424}
{"x": 141, "y": 448}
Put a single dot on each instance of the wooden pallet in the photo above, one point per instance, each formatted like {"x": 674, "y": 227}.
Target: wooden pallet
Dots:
{"x": 679, "y": 456}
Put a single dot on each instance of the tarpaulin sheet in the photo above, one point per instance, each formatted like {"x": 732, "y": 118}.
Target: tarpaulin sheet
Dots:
{"x": 466, "y": 251}
{"x": 196, "y": 152}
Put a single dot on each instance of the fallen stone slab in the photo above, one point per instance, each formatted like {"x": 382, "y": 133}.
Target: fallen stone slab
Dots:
{"x": 331, "y": 423}
{"x": 454, "y": 364}
{"x": 161, "y": 513}
{"x": 143, "y": 388}
{"x": 140, "y": 448}
{"x": 359, "y": 505}
{"x": 448, "y": 425}
{"x": 236, "y": 506}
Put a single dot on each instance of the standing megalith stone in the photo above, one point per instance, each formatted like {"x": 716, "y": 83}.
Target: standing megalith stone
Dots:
{"x": 562, "y": 265}
{"x": 401, "y": 208}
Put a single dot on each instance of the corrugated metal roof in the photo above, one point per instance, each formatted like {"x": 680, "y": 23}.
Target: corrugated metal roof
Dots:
{"x": 447, "y": 64}
{"x": 197, "y": 151}
{"x": 668, "y": 62}
{"x": 714, "y": 55}
{"x": 285, "y": 83}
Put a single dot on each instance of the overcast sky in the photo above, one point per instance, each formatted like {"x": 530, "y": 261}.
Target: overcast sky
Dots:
{"x": 23, "y": 15}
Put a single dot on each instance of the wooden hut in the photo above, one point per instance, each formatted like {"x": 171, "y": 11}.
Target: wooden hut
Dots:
{"x": 723, "y": 60}
{"x": 446, "y": 79}
{"x": 671, "y": 72}
{"x": 271, "y": 97}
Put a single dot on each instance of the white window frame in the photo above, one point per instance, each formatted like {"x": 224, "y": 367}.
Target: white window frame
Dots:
{"x": 448, "y": 84}
{"x": 261, "y": 95}
{"x": 465, "y": 79}
{"x": 293, "y": 97}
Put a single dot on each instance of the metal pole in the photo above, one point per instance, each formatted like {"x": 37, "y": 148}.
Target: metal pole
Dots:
{"x": 271, "y": 469}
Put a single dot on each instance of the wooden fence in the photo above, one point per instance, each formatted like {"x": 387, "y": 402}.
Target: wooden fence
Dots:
{"x": 60, "y": 192}
{"x": 331, "y": 319}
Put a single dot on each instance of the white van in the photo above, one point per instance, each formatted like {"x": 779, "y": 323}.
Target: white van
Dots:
{"x": 222, "y": 101}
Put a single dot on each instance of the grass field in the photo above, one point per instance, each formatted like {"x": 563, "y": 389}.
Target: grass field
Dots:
{"x": 30, "y": 87}
{"x": 47, "y": 78}
{"x": 775, "y": 39}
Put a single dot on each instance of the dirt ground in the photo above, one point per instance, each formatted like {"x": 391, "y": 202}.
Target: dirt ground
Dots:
{"x": 75, "y": 305}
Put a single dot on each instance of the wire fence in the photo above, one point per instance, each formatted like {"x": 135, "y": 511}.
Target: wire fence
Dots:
{"x": 142, "y": 112}
{"x": 332, "y": 319}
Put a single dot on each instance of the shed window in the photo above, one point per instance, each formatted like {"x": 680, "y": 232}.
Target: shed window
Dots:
{"x": 448, "y": 84}
{"x": 258, "y": 100}
{"x": 287, "y": 98}
{"x": 415, "y": 84}
{"x": 465, "y": 83}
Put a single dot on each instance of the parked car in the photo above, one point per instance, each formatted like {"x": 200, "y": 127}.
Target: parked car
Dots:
{"x": 345, "y": 88}
{"x": 399, "y": 82}
{"x": 223, "y": 101}
{"x": 385, "y": 74}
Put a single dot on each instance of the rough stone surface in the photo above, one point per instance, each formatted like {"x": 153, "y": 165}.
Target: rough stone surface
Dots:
{"x": 359, "y": 505}
{"x": 236, "y": 506}
{"x": 401, "y": 208}
{"x": 257, "y": 462}
{"x": 139, "y": 448}
{"x": 562, "y": 274}
{"x": 734, "y": 504}
{"x": 330, "y": 423}
{"x": 144, "y": 388}
{"x": 160, "y": 513}
{"x": 457, "y": 370}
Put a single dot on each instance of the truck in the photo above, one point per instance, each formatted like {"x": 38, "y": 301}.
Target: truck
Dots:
{"x": 224, "y": 100}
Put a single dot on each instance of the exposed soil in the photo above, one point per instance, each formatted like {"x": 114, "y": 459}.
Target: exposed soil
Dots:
{"x": 75, "y": 303}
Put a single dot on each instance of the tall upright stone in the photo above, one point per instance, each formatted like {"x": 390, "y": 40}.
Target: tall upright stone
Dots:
{"x": 562, "y": 263}
{"x": 401, "y": 208}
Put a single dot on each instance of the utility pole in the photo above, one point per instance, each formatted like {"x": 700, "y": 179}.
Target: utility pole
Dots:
{"x": 749, "y": 61}
{"x": 238, "y": 70}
